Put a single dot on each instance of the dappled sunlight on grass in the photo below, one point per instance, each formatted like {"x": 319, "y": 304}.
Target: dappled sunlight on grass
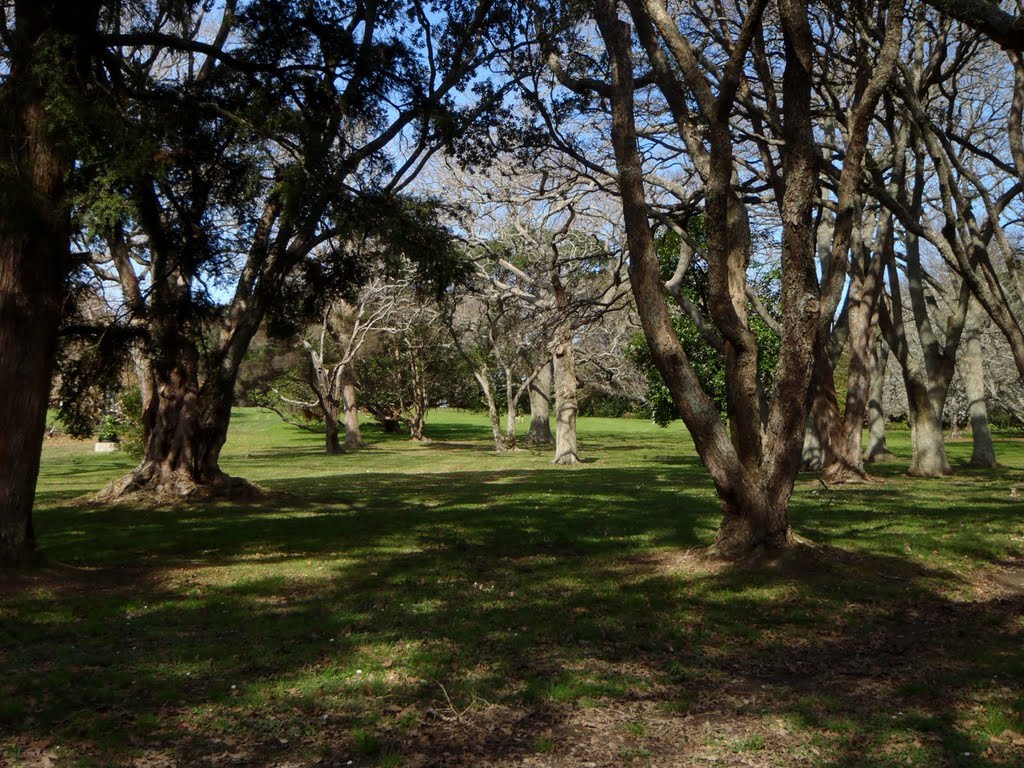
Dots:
{"x": 409, "y": 599}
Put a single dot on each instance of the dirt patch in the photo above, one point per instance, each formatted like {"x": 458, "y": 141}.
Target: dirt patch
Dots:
{"x": 1004, "y": 579}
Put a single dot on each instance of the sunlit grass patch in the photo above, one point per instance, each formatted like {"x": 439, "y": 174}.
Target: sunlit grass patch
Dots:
{"x": 378, "y": 599}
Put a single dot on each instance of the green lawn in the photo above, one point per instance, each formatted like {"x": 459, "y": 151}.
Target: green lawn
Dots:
{"x": 438, "y": 604}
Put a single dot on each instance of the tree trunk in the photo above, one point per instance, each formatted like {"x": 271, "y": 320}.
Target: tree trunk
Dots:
{"x": 186, "y": 425}
{"x": 34, "y": 264}
{"x": 929, "y": 448}
{"x": 753, "y": 524}
{"x": 566, "y": 405}
{"x": 811, "y": 458}
{"x": 500, "y": 443}
{"x": 332, "y": 429}
{"x": 973, "y": 372}
{"x": 510, "y": 406}
{"x": 876, "y": 448}
{"x": 353, "y": 435}
{"x": 825, "y": 414}
{"x": 540, "y": 408}
{"x": 30, "y": 291}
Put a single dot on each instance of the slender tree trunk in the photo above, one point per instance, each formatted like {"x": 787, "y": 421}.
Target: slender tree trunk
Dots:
{"x": 332, "y": 431}
{"x": 500, "y": 443}
{"x": 877, "y": 449}
{"x": 510, "y": 406}
{"x": 566, "y": 405}
{"x": 353, "y": 435}
{"x": 973, "y": 371}
{"x": 825, "y": 414}
{"x": 418, "y": 406}
{"x": 540, "y": 408}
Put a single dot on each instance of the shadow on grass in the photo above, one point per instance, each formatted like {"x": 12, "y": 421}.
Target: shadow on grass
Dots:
{"x": 387, "y": 604}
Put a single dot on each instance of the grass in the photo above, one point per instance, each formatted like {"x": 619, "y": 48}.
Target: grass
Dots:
{"x": 437, "y": 604}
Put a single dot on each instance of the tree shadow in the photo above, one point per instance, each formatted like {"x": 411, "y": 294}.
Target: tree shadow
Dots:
{"x": 458, "y": 616}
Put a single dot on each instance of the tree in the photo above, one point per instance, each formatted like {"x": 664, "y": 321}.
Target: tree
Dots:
{"x": 545, "y": 238}
{"x": 753, "y": 463}
{"x": 47, "y": 50}
{"x": 411, "y": 372}
{"x": 341, "y": 337}
{"x": 291, "y": 129}
{"x": 496, "y": 337}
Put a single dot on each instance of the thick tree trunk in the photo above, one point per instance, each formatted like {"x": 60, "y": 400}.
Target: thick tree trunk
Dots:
{"x": 973, "y": 372}
{"x": 928, "y": 445}
{"x": 30, "y": 292}
{"x": 34, "y": 264}
{"x": 187, "y": 426}
{"x": 877, "y": 449}
{"x": 566, "y": 405}
{"x": 753, "y": 525}
{"x": 353, "y": 435}
{"x": 540, "y": 408}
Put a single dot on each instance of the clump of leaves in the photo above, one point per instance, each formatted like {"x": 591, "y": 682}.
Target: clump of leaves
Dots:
{"x": 107, "y": 432}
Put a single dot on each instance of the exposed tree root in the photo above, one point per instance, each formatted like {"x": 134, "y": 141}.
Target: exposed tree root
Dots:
{"x": 738, "y": 542}
{"x": 150, "y": 487}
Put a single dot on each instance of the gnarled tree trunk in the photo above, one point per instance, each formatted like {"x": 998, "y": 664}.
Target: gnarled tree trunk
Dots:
{"x": 186, "y": 422}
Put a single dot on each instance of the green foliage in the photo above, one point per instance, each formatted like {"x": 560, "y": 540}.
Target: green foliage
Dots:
{"x": 418, "y": 363}
{"x": 707, "y": 363}
{"x": 107, "y": 432}
{"x": 129, "y": 423}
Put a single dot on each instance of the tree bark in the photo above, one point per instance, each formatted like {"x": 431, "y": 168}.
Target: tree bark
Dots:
{"x": 540, "y": 408}
{"x": 566, "y": 405}
{"x": 973, "y": 372}
{"x": 756, "y": 522}
{"x": 811, "y": 458}
{"x": 511, "y": 404}
{"x": 34, "y": 249}
{"x": 32, "y": 270}
{"x": 353, "y": 435}
{"x": 332, "y": 433}
{"x": 186, "y": 422}
{"x": 877, "y": 449}
{"x": 500, "y": 443}
{"x": 929, "y": 447}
